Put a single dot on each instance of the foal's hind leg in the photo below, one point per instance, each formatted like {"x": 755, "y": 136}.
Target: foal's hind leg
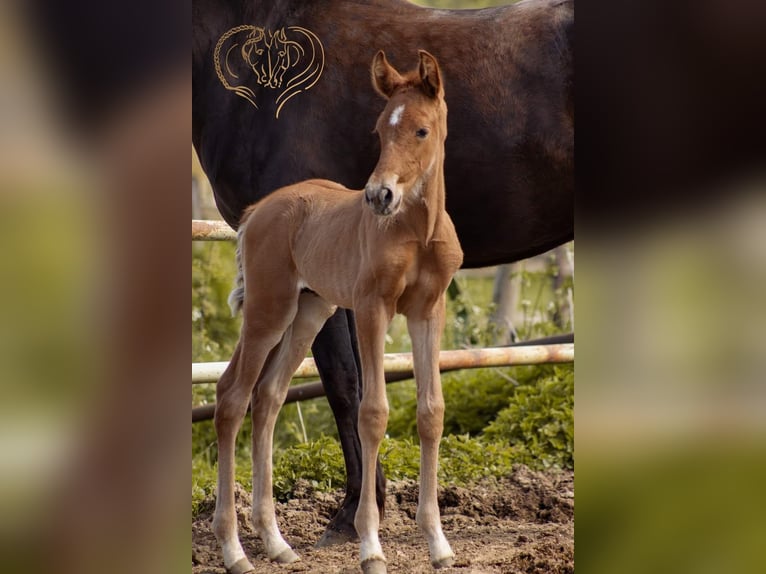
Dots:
{"x": 268, "y": 396}
{"x": 426, "y": 337}
{"x": 232, "y": 397}
{"x": 231, "y": 405}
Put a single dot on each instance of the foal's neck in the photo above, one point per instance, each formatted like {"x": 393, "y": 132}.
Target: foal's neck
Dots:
{"x": 431, "y": 205}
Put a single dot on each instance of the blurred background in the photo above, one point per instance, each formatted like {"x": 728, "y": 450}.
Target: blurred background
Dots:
{"x": 47, "y": 268}
{"x": 670, "y": 399}
{"x": 94, "y": 128}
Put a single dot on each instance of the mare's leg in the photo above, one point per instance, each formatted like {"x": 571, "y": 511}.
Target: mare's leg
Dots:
{"x": 426, "y": 337}
{"x": 337, "y": 357}
{"x": 260, "y": 334}
{"x": 268, "y": 396}
{"x": 372, "y": 321}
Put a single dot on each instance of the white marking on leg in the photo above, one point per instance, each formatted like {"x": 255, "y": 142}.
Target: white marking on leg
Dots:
{"x": 438, "y": 546}
{"x": 396, "y": 115}
{"x": 370, "y": 548}
{"x": 232, "y": 552}
{"x": 272, "y": 539}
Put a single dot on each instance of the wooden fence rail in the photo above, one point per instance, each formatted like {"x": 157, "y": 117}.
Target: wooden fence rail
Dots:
{"x": 212, "y": 230}
{"x": 398, "y": 366}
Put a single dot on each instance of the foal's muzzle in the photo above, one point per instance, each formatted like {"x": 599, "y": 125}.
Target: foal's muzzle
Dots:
{"x": 381, "y": 199}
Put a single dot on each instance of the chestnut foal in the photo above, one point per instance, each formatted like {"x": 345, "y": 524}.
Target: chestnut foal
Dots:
{"x": 310, "y": 247}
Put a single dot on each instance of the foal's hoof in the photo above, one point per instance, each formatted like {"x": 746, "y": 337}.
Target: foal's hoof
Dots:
{"x": 333, "y": 537}
{"x": 373, "y": 566}
{"x": 241, "y": 566}
{"x": 287, "y": 556}
{"x": 445, "y": 562}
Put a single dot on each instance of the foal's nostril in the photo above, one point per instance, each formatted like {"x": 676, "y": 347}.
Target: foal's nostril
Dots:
{"x": 386, "y": 195}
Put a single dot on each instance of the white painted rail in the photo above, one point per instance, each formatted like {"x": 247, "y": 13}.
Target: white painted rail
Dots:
{"x": 212, "y": 230}
{"x": 448, "y": 361}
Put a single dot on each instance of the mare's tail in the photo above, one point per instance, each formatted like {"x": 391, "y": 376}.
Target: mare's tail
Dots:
{"x": 237, "y": 295}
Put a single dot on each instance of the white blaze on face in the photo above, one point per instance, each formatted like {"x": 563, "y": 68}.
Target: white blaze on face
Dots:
{"x": 396, "y": 115}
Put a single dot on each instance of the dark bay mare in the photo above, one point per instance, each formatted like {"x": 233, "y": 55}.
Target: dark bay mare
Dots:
{"x": 280, "y": 89}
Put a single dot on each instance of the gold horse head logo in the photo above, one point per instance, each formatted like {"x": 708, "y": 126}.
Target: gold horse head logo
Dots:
{"x": 270, "y": 55}
{"x": 289, "y": 60}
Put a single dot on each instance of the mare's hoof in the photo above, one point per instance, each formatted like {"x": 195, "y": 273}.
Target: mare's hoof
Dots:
{"x": 374, "y": 566}
{"x": 445, "y": 562}
{"x": 241, "y": 566}
{"x": 333, "y": 537}
{"x": 287, "y": 556}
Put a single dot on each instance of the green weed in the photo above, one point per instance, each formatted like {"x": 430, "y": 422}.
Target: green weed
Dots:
{"x": 320, "y": 462}
{"x": 539, "y": 420}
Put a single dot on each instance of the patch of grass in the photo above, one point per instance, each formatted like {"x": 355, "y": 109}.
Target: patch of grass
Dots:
{"x": 472, "y": 399}
{"x": 203, "y": 483}
{"x": 400, "y": 459}
{"x": 204, "y": 475}
{"x": 539, "y": 420}
{"x": 462, "y": 460}
{"x": 320, "y": 462}
{"x": 214, "y": 330}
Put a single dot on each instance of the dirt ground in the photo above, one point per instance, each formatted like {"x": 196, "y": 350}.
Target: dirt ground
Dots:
{"x": 523, "y": 523}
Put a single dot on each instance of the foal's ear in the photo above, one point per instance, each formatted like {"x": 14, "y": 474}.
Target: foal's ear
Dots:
{"x": 430, "y": 75}
{"x": 385, "y": 78}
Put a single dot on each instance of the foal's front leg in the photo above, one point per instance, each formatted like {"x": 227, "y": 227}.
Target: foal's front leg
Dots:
{"x": 426, "y": 339}
{"x": 337, "y": 358}
{"x": 372, "y": 319}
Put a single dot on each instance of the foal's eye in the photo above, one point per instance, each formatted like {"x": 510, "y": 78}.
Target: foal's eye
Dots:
{"x": 422, "y": 133}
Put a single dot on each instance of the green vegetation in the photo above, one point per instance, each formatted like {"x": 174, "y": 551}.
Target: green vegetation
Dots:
{"x": 494, "y": 417}
{"x": 215, "y": 331}
{"x": 539, "y": 420}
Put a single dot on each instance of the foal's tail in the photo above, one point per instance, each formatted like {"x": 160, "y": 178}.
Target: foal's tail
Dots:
{"x": 237, "y": 295}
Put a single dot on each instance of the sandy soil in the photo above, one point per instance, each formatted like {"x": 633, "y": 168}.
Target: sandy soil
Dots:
{"x": 523, "y": 523}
